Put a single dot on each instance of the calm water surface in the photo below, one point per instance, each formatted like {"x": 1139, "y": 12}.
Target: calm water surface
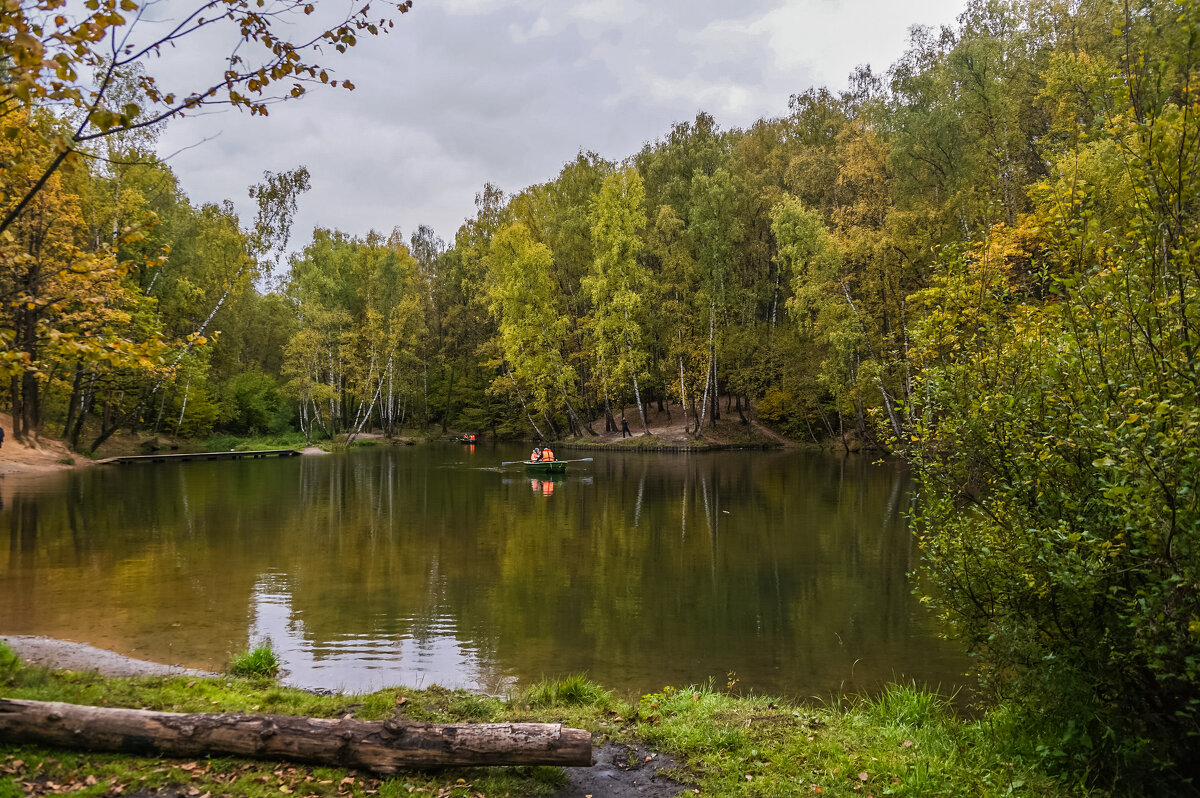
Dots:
{"x": 433, "y": 565}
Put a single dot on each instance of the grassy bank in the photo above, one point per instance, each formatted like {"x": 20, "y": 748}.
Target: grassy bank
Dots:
{"x": 906, "y": 742}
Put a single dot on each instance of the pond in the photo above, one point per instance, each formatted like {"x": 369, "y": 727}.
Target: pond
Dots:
{"x": 786, "y": 573}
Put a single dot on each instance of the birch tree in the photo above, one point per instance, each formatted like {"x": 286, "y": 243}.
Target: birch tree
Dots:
{"x": 617, "y": 282}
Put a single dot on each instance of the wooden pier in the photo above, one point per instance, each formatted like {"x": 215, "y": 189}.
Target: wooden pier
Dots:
{"x": 187, "y": 456}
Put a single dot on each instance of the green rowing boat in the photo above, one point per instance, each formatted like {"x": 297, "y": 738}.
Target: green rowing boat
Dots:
{"x": 552, "y": 467}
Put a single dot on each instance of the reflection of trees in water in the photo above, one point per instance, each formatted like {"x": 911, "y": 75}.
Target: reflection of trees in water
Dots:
{"x": 784, "y": 568}
{"x": 23, "y": 527}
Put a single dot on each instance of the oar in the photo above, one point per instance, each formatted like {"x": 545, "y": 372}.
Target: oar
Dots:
{"x": 513, "y": 462}
{"x": 580, "y": 460}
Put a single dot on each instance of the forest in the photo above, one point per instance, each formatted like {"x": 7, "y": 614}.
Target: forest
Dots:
{"x": 793, "y": 265}
{"x": 983, "y": 258}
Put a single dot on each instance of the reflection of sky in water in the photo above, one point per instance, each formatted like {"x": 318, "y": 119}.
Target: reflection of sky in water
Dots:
{"x": 362, "y": 663}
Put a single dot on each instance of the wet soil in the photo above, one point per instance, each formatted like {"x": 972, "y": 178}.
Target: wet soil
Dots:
{"x": 623, "y": 771}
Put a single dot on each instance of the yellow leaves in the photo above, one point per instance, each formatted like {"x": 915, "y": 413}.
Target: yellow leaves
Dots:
{"x": 25, "y": 49}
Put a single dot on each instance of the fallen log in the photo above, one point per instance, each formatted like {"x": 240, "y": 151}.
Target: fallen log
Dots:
{"x": 378, "y": 746}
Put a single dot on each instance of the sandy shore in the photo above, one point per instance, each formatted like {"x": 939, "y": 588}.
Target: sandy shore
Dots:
{"x": 65, "y": 655}
{"x": 42, "y": 456}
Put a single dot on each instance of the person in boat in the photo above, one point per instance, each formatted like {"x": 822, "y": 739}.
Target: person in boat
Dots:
{"x": 536, "y": 455}
{"x": 547, "y": 455}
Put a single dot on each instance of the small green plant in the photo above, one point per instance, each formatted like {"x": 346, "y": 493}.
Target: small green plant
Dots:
{"x": 66, "y": 461}
{"x": 572, "y": 690}
{"x": 731, "y": 682}
{"x": 259, "y": 662}
{"x": 9, "y": 662}
{"x": 906, "y": 705}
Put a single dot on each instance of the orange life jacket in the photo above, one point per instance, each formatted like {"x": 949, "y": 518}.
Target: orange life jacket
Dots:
{"x": 534, "y": 456}
{"x": 547, "y": 456}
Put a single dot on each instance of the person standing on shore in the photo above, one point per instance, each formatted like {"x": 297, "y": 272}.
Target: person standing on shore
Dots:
{"x": 625, "y": 429}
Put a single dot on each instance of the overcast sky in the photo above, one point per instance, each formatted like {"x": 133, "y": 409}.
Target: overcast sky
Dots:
{"x": 464, "y": 92}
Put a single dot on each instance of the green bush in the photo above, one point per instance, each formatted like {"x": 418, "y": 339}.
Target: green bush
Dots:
{"x": 781, "y": 410}
{"x": 1059, "y": 470}
{"x": 251, "y": 404}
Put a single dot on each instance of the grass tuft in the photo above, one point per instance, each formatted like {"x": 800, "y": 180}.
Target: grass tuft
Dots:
{"x": 573, "y": 690}
{"x": 10, "y": 663}
{"x": 906, "y": 705}
{"x": 261, "y": 662}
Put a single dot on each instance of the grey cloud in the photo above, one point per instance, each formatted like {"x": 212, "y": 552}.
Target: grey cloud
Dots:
{"x": 506, "y": 93}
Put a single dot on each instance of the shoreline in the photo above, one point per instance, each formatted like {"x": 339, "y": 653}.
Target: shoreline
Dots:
{"x": 67, "y": 655}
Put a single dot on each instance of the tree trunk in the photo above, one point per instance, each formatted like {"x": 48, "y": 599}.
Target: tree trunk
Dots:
{"x": 637, "y": 394}
{"x": 15, "y": 392}
{"x": 577, "y": 426}
{"x": 379, "y": 746}
{"x": 187, "y": 387}
{"x": 85, "y": 405}
{"x": 715, "y": 415}
{"x": 825, "y": 420}
{"x": 31, "y": 411}
{"x": 683, "y": 397}
{"x": 76, "y": 389}
{"x": 610, "y": 423}
{"x": 521, "y": 399}
{"x": 449, "y": 389}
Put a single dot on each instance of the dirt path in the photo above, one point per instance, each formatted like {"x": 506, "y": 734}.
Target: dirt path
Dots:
{"x": 771, "y": 434}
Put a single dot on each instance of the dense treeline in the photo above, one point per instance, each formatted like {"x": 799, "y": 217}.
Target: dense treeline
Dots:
{"x": 984, "y": 258}
{"x": 772, "y": 265}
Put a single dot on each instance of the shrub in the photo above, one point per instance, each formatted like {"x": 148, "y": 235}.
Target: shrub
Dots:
{"x": 252, "y": 405}
{"x": 1058, "y": 468}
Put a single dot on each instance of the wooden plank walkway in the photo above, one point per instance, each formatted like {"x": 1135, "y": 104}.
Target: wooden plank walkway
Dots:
{"x": 186, "y": 456}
